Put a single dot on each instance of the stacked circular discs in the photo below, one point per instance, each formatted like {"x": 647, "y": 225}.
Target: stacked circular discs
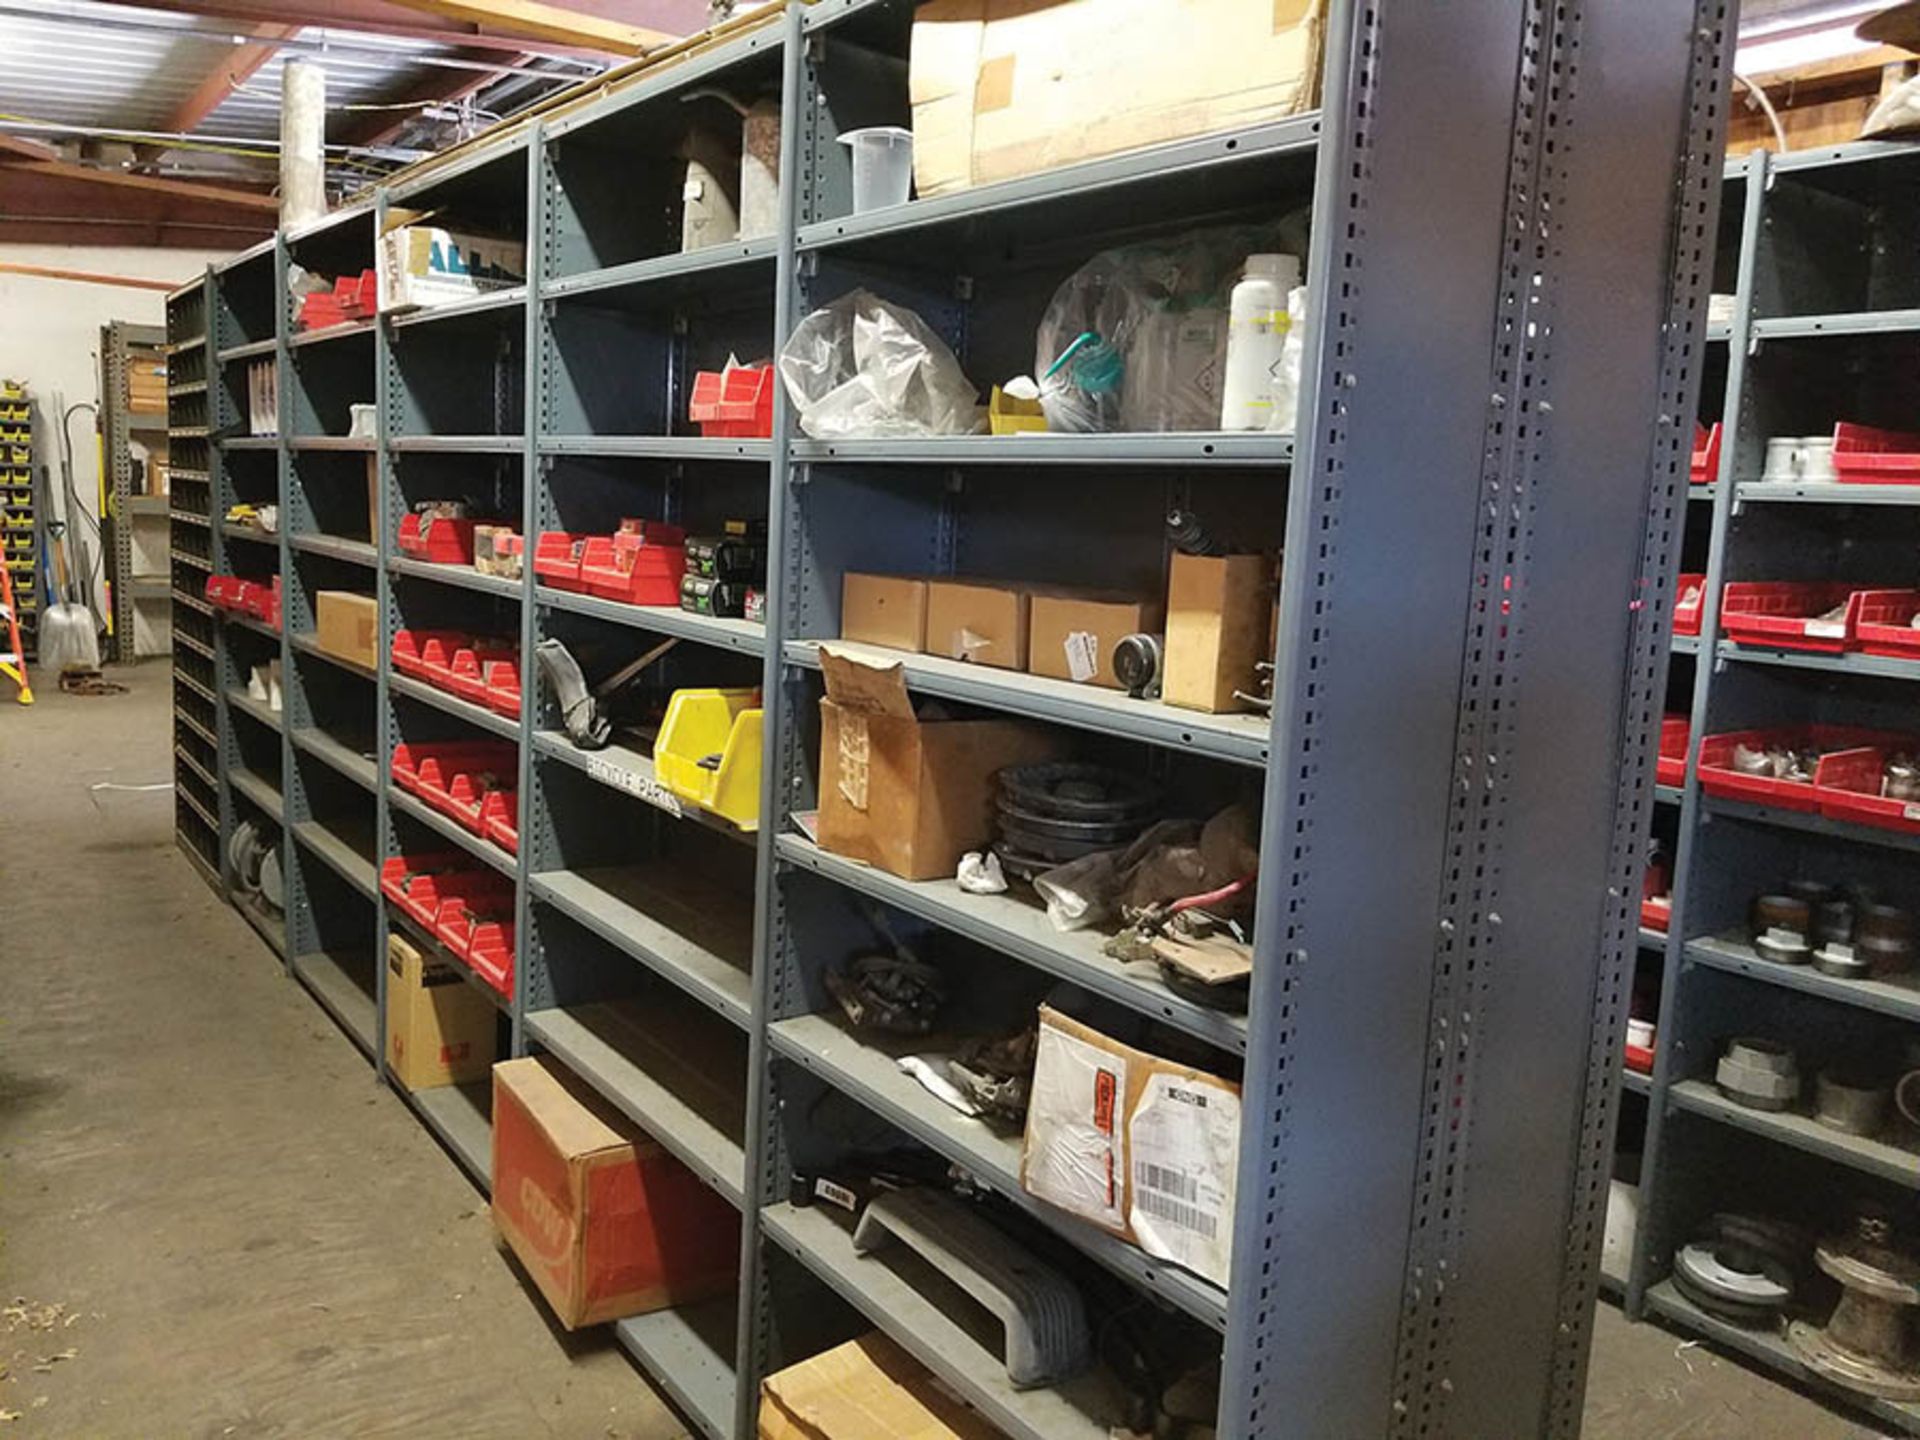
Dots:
{"x": 1048, "y": 814}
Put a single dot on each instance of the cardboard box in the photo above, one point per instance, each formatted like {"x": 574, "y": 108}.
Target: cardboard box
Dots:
{"x": 1002, "y": 88}
{"x": 498, "y": 550}
{"x": 146, "y": 386}
{"x": 1219, "y": 610}
{"x": 866, "y": 1389}
{"x": 606, "y": 1222}
{"x": 908, "y": 795}
{"x": 1141, "y": 1147}
{"x": 884, "y": 610}
{"x": 1071, "y": 635}
{"x": 440, "y": 1030}
{"x": 347, "y": 624}
{"x": 426, "y": 265}
{"x": 978, "y": 620}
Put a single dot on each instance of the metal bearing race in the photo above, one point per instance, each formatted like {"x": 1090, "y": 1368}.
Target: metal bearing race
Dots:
{"x": 1870, "y": 1343}
{"x": 1780, "y": 925}
{"x": 1732, "y": 1279}
{"x": 1883, "y": 935}
{"x": 1071, "y": 790}
{"x": 1758, "y": 1073}
{"x": 1853, "y": 1103}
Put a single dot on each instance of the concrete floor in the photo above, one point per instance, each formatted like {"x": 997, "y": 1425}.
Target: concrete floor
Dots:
{"x": 214, "y": 1222}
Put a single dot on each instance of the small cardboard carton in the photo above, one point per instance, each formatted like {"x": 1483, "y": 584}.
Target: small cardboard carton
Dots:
{"x": 910, "y": 796}
{"x": 981, "y": 621}
{"x": 426, "y": 265}
{"x": 866, "y": 1389}
{"x": 1002, "y": 88}
{"x": 1071, "y": 634}
{"x": 888, "y": 610}
{"x": 440, "y": 1030}
{"x": 347, "y": 624}
{"x": 1219, "y": 609}
{"x": 606, "y": 1222}
{"x": 1141, "y": 1147}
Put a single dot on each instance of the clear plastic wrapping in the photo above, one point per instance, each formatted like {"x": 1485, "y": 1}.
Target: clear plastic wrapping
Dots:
{"x": 864, "y": 368}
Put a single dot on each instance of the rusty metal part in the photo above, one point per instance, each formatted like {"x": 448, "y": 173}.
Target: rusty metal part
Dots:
{"x": 1870, "y": 1343}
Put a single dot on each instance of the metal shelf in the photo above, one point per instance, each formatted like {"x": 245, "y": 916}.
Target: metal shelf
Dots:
{"x": 1755, "y": 492}
{"x": 657, "y": 447}
{"x": 686, "y": 930}
{"x": 247, "y": 351}
{"x": 1811, "y": 823}
{"x": 193, "y": 643}
{"x": 630, "y": 771}
{"x": 465, "y": 576}
{"x": 1225, "y": 448}
{"x": 1635, "y": 1081}
{"x": 476, "y": 715}
{"x": 1023, "y": 931}
{"x": 662, "y": 277}
{"x": 1803, "y": 1132}
{"x": 248, "y": 622}
{"x": 1771, "y": 1349}
{"x": 485, "y": 850}
{"x": 342, "y": 996}
{"x": 454, "y": 310}
{"x": 270, "y": 928}
{"x": 207, "y": 817}
{"x": 1858, "y": 322}
{"x": 868, "y": 1069}
{"x": 308, "y": 643}
{"x": 461, "y": 1119}
{"x": 1899, "y": 996}
{"x": 688, "y": 1351}
{"x": 1242, "y": 739}
{"x": 1885, "y": 666}
{"x": 255, "y": 709}
{"x": 336, "y": 547}
{"x": 892, "y": 1286}
{"x": 744, "y": 636}
{"x": 345, "y": 330}
{"x": 1684, "y": 645}
{"x": 648, "y": 1064}
{"x": 253, "y": 534}
{"x": 1669, "y": 794}
{"x": 433, "y": 946}
{"x": 458, "y": 444}
{"x": 350, "y": 444}
{"x": 249, "y": 442}
{"x": 339, "y": 756}
{"x": 261, "y": 791}
{"x": 185, "y": 757}
{"x": 346, "y": 847}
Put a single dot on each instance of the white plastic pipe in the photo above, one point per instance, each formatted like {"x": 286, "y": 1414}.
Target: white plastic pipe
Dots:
{"x": 303, "y": 156}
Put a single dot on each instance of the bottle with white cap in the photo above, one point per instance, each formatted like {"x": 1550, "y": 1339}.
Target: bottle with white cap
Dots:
{"x": 1256, "y": 333}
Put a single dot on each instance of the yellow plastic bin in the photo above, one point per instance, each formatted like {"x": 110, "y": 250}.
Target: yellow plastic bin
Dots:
{"x": 708, "y": 752}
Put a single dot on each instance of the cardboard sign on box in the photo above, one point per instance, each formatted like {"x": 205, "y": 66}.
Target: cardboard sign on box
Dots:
{"x": 426, "y": 265}
{"x": 440, "y": 1030}
{"x": 1219, "y": 613}
{"x": 1003, "y": 88}
{"x": 1071, "y": 636}
{"x": 607, "y": 1223}
{"x": 908, "y": 795}
{"x": 888, "y": 610}
{"x": 978, "y": 620}
{"x": 866, "y": 1389}
{"x": 347, "y": 624}
{"x": 1141, "y": 1147}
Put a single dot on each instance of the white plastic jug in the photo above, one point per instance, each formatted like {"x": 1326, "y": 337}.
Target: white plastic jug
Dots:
{"x": 882, "y": 166}
{"x": 1256, "y": 332}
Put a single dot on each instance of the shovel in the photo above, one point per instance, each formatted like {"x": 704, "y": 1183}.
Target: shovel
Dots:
{"x": 67, "y": 635}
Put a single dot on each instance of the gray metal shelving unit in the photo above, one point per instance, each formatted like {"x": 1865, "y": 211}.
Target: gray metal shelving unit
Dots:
{"x": 1824, "y": 322}
{"x": 674, "y": 963}
{"x": 197, "y": 718}
{"x": 136, "y": 591}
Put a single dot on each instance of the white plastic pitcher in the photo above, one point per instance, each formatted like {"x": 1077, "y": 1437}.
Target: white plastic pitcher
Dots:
{"x": 882, "y": 166}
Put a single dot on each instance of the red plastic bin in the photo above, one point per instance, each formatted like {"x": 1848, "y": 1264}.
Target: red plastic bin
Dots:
{"x": 1671, "y": 766}
{"x": 464, "y": 797}
{"x": 556, "y": 559}
{"x": 1718, "y": 777}
{"x": 1848, "y": 786}
{"x": 425, "y": 769}
{"x": 421, "y": 884}
{"x": 1783, "y": 614}
{"x": 502, "y": 679}
{"x": 225, "y": 592}
{"x": 734, "y": 404}
{"x": 466, "y": 674}
{"x": 358, "y": 296}
{"x": 633, "y": 569}
{"x": 1690, "y": 594}
{"x": 479, "y": 929}
{"x": 1705, "y": 468}
{"x": 1640, "y": 1058}
{"x": 410, "y": 652}
{"x": 1655, "y": 914}
{"x": 1884, "y": 625}
{"x": 500, "y": 819}
{"x": 437, "y": 538}
{"x": 1865, "y": 455}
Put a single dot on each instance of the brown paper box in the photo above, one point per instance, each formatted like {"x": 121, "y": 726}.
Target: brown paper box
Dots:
{"x": 978, "y": 620}
{"x": 908, "y": 795}
{"x": 1071, "y": 636}
{"x": 866, "y": 1389}
{"x": 347, "y": 625}
{"x": 1218, "y": 609}
{"x": 440, "y": 1031}
{"x": 886, "y": 610}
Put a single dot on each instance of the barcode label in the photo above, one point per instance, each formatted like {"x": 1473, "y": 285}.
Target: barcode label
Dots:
{"x": 1166, "y": 1180}
{"x": 1177, "y": 1213}
{"x": 642, "y": 787}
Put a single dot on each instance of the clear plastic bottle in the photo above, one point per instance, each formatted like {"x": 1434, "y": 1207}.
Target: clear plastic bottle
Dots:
{"x": 1256, "y": 333}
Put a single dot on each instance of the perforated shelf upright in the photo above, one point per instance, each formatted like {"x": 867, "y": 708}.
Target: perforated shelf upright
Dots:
{"x": 1480, "y": 516}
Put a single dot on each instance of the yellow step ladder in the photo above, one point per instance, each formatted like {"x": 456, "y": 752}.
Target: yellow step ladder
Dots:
{"x": 13, "y": 663}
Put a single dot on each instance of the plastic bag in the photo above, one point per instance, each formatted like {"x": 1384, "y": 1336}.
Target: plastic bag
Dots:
{"x": 1161, "y": 310}
{"x": 862, "y": 368}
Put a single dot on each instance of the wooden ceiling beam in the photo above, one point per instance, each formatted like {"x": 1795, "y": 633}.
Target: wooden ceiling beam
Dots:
{"x": 369, "y": 17}
{"x": 551, "y": 23}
